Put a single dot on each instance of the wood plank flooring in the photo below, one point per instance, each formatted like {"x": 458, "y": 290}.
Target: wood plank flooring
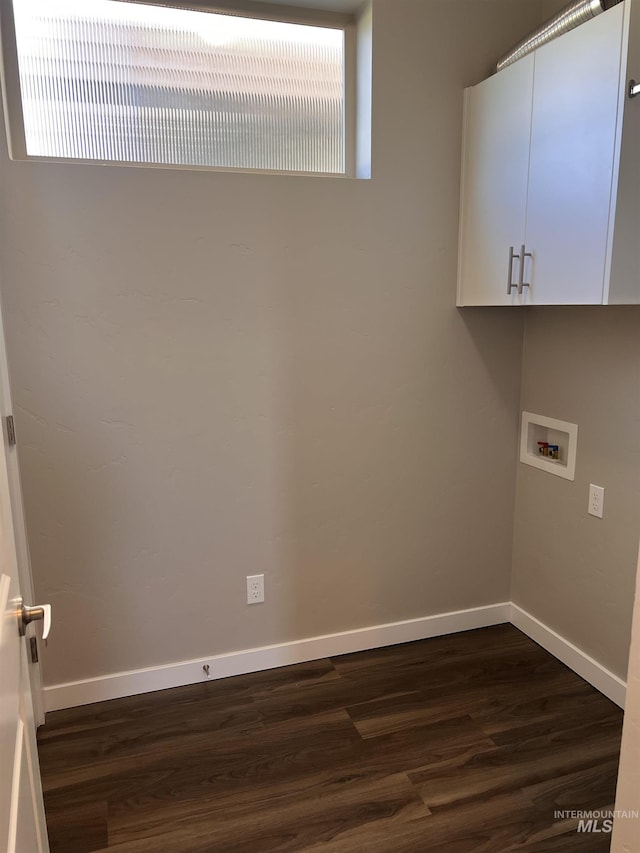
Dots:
{"x": 457, "y": 744}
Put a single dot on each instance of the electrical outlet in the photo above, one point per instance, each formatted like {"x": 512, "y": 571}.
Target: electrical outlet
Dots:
{"x": 596, "y": 501}
{"x": 255, "y": 589}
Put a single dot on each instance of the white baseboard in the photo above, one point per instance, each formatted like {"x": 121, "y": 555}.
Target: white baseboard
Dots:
{"x": 138, "y": 681}
{"x": 162, "y": 677}
{"x": 586, "y": 667}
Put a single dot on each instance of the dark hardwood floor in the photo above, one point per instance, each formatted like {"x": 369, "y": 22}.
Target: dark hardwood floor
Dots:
{"x": 461, "y": 743}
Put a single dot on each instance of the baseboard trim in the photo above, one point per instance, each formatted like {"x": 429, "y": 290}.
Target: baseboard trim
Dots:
{"x": 138, "y": 681}
{"x": 117, "y": 685}
{"x": 573, "y": 657}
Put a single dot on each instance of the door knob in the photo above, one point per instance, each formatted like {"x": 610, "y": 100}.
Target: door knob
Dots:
{"x": 26, "y": 615}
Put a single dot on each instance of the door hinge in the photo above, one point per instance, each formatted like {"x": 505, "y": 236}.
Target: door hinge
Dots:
{"x": 33, "y": 643}
{"x": 11, "y": 430}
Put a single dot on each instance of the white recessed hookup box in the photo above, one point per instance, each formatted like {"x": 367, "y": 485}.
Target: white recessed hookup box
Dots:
{"x": 549, "y": 444}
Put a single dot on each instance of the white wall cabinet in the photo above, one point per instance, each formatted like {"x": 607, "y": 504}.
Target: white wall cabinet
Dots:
{"x": 494, "y": 176}
{"x": 550, "y": 173}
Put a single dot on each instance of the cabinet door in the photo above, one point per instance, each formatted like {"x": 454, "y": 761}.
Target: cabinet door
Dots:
{"x": 575, "y": 102}
{"x": 623, "y": 285}
{"x": 494, "y": 184}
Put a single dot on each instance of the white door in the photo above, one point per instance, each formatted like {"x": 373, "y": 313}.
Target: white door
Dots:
{"x": 494, "y": 185}
{"x": 575, "y": 103}
{"x": 22, "y": 820}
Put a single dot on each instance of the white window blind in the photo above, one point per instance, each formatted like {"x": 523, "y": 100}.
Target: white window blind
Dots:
{"x": 116, "y": 81}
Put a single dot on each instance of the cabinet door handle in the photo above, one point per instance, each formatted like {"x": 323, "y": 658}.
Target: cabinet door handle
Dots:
{"x": 634, "y": 89}
{"x": 512, "y": 257}
{"x": 521, "y": 282}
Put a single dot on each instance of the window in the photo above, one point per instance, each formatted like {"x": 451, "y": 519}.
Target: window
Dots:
{"x": 107, "y": 80}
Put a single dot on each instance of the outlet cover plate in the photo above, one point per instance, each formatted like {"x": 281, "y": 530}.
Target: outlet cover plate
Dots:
{"x": 255, "y": 589}
{"x": 596, "y": 501}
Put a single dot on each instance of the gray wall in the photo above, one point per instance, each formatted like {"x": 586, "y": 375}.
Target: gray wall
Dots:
{"x": 574, "y": 572}
{"x": 222, "y": 374}
{"x": 626, "y": 831}
{"x": 570, "y": 570}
